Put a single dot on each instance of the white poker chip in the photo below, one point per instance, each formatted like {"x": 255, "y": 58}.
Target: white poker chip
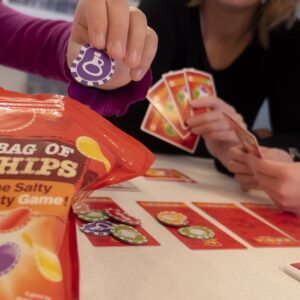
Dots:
{"x": 92, "y": 67}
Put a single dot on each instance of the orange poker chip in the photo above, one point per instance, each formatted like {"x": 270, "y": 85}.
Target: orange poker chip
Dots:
{"x": 172, "y": 218}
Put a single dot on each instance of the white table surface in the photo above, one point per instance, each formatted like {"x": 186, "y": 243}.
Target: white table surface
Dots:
{"x": 173, "y": 271}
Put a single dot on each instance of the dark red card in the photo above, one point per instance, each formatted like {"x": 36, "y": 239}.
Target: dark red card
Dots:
{"x": 220, "y": 241}
{"x": 100, "y": 203}
{"x": 249, "y": 228}
{"x": 287, "y": 222}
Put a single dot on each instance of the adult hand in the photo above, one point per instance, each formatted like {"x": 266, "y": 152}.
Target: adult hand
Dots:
{"x": 214, "y": 127}
{"x": 280, "y": 180}
{"x": 121, "y": 30}
{"x": 237, "y": 164}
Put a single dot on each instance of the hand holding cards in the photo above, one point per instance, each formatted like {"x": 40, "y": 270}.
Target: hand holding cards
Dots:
{"x": 170, "y": 106}
{"x": 246, "y": 138}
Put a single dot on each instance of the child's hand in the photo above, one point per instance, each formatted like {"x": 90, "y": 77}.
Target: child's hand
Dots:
{"x": 119, "y": 29}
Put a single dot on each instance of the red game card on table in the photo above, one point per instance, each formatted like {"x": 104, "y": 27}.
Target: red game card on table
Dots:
{"x": 293, "y": 269}
{"x": 287, "y": 222}
{"x": 159, "y": 97}
{"x": 221, "y": 240}
{"x": 249, "y": 228}
{"x": 101, "y": 203}
{"x": 167, "y": 175}
{"x": 156, "y": 125}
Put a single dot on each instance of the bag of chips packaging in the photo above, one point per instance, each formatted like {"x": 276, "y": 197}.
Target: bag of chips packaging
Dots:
{"x": 52, "y": 150}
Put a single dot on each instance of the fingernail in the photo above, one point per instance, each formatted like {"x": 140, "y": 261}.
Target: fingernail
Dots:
{"x": 118, "y": 49}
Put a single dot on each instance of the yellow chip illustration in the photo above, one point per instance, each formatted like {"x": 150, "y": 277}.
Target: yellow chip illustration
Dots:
{"x": 91, "y": 149}
{"x": 47, "y": 262}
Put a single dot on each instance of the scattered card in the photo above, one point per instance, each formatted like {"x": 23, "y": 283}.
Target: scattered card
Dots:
{"x": 167, "y": 175}
{"x": 285, "y": 221}
{"x": 220, "y": 239}
{"x": 157, "y": 126}
{"x": 249, "y": 228}
{"x": 122, "y": 186}
{"x": 293, "y": 269}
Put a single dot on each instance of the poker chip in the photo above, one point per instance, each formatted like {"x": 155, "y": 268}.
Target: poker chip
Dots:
{"x": 128, "y": 234}
{"x": 92, "y": 67}
{"x": 122, "y": 216}
{"x": 80, "y": 207}
{"x": 9, "y": 257}
{"x": 197, "y": 232}
{"x": 93, "y": 216}
{"x": 172, "y": 218}
{"x": 99, "y": 228}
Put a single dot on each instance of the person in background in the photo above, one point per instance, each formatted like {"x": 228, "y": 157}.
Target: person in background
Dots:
{"x": 280, "y": 180}
{"x": 251, "y": 48}
{"x": 48, "y": 48}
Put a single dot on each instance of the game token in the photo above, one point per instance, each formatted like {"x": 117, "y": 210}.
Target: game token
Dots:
{"x": 99, "y": 228}
{"x": 197, "y": 232}
{"x": 122, "y": 216}
{"x": 9, "y": 257}
{"x": 128, "y": 234}
{"x": 80, "y": 207}
{"x": 93, "y": 216}
{"x": 92, "y": 67}
{"x": 172, "y": 218}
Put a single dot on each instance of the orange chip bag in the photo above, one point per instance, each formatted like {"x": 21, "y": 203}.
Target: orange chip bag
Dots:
{"x": 52, "y": 150}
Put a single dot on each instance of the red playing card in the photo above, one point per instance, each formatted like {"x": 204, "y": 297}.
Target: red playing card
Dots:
{"x": 220, "y": 241}
{"x": 101, "y": 203}
{"x": 249, "y": 228}
{"x": 246, "y": 138}
{"x": 199, "y": 84}
{"x": 159, "y": 97}
{"x": 175, "y": 83}
{"x": 287, "y": 222}
{"x": 167, "y": 175}
{"x": 157, "y": 126}
{"x": 293, "y": 269}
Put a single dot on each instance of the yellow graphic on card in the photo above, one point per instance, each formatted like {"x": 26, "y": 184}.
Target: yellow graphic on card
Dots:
{"x": 212, "y": 243}
{"x": 272, "y": 240}
{"x": 47, "y": 262}
{"x": 91, "y": 149}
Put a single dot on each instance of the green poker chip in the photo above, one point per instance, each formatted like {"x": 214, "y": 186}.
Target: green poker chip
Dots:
{"x": 128, "y": 234}
{"x": 197, "y": 232}
{"x": 92, "y": 216}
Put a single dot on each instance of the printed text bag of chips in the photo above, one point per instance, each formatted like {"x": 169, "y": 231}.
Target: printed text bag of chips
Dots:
{"x": 51, "y": 148}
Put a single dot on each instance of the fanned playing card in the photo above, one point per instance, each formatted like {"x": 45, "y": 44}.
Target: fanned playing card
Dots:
{"x": 159, "y": 97}
{"x": 175, "y": 82}
{"x": 155, "y": 124}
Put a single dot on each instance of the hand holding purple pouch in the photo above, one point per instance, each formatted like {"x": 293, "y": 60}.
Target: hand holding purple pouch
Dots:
{"x": 92, "y": 67}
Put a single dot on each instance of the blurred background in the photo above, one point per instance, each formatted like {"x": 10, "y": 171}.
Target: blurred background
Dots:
{"x": 64, "y": 9}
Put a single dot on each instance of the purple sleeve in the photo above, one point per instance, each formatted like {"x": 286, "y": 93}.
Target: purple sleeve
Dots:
{"x": 39, "y": 46}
